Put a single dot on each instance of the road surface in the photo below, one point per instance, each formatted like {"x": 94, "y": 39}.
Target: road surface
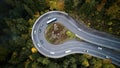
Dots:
{"x": 95, "y": 43}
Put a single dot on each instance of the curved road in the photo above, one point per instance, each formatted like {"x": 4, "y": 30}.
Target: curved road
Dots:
{"x": 95, "y": 43}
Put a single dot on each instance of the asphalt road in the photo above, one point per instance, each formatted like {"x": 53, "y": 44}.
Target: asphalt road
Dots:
{"x": 98, "y": 44}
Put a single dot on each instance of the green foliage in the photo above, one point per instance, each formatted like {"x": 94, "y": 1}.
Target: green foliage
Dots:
{"x": 110, "y": 23}
{"x": 113, "y": 10}
{"x": 74, "y": 65}
{"x": 69, "y": 3}
{"x": 95, "y": 63}
{"x": 14, "y": 58}
{"x": 35, "y": 65}
{"x": 18, "y": 17}
{"x": 75, "y": 5}
{"x": 28, "y": 10}
{"x": 98, "y": 13}
{"x": 53, "y": 65}
{"x": 34, "y": 56}
{"x": 3, "y": 53}
{"x": 108, "y": 66}
{"x": 88, "y": 8}
{"x": 46, "y": 61}
{"x": 28, "y": 64}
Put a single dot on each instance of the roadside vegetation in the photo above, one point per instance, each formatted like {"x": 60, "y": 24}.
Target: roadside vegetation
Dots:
{"x": 18, "y": 16}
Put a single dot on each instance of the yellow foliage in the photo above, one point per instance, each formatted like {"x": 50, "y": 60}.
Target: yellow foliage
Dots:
{"x": 88, "y": 24}
{"x": 52, "y": 5}
{"x": 87, "y": 1}
{"x": 30, "y": 57}
{"x": 30, "y": 21}
{"x": 26, "y": 64}
{"x": 110, "y": 29}
{"x": 33, "y": 50}
{"x": 24, "y": 36}
{"x": 14, "y": 54}
{"x": 56, "y": 4}
{"x": 87, "y": 56}
{"x": 85, "y": 63}
{"x": 70, "y": 34}
{"x": 113, "y": 10}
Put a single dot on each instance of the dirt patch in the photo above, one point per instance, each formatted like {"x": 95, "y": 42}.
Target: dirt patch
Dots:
{"x": 56, "y": 33}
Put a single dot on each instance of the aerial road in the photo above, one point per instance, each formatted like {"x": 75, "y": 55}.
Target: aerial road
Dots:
{"x": 98, "y": 44}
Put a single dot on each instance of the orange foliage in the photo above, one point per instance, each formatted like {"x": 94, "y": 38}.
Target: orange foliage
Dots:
{"x": 101, "y": 5}
{"x": 87, "y": 1}
{"x": 107, "y": 61}
{"x": 60, "y": 4}
{"x": 37, "y": 14}
{"x": 47, "y": 2}
{"x": 114, "y": 10}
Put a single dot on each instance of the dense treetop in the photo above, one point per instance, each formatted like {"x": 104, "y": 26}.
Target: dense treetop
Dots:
{"x": 18, "y": 16}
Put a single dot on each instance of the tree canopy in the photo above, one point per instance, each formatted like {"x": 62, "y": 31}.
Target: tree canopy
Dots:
{"x": 18, "y": 16}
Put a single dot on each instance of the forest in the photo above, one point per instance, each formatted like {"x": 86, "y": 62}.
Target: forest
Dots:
{"x": 18, "y": 16}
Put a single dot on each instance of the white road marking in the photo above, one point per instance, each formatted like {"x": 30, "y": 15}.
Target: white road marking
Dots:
{"x": 67, "y": 51}
{"x": 77, "y": 36}
{"x": 32, "y": 37}
{"x": 79, "y": 29}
